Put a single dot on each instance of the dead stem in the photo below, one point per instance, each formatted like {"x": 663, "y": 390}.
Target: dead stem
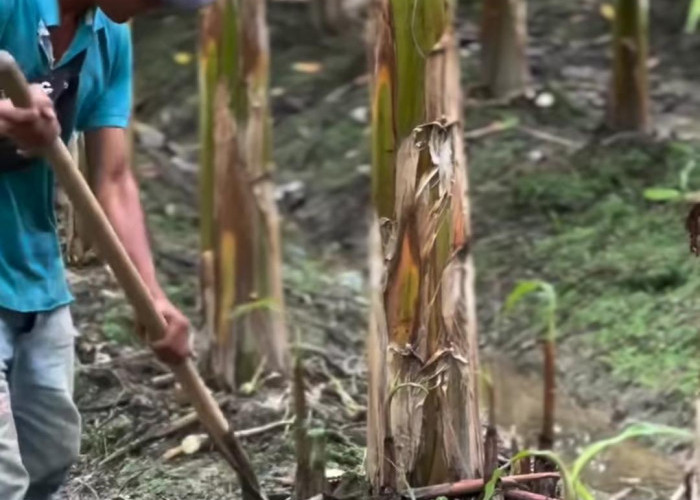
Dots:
{"x": 469, "y": 486}
{"x": 692, "y": 225}
{"x": 525, "y": 495}
{"x": 547, "y": 436}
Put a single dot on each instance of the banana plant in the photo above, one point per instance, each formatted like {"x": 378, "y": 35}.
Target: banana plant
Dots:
{"x": 572, "y": 474}
{"x": 547, "y": 296}
{"x": 681, "y": 193}
{"x": 629, "y": 103}
{"x": 422, "y": 344}
{"x": 242, "y": 292}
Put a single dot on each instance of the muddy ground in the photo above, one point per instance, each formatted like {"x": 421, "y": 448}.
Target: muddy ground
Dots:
{"x": 554, "y": 199}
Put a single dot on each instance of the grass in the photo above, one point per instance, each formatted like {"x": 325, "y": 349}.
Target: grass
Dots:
{"x": 118, "y": 325}
{"x": 195, "y": 478}
{"x": 629, "y": 288}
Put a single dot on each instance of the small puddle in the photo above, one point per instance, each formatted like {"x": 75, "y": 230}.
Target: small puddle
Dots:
{"x": 519, "y": 407}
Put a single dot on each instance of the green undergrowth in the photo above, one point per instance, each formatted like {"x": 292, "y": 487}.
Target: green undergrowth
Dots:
{"x": 629, "y": 288}
{"x": 192, "y": 478}
{"x": 321, "y": 119}
{"x": 118, "y": 326}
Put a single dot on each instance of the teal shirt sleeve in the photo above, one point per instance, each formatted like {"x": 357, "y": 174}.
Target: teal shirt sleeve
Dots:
{"x": 6, "y": 8}
{"x": 112, "y": 109}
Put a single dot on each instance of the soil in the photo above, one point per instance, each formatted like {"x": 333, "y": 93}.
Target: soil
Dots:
{"x": 554, "y": 199}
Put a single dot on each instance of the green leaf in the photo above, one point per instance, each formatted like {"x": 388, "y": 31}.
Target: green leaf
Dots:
{"x": 582, "y": 493}
{"x": 490, "y": 488}
{"x": 662, "y": 194}
{"x": 244, "y": 309}
{"x": 556, "y": 459}
{"x": 522, "y": 290}
{"x": 633, "y": 431}
{"x": 574, "y": 489}
{"x": 549, "y": 295}
{"x": 684, "y": 176}
{"x": 691, "y": 23}
{"x": 545, "y": 292}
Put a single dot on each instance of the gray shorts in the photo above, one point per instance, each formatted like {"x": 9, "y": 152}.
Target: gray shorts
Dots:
{"x": 39, "y": 423}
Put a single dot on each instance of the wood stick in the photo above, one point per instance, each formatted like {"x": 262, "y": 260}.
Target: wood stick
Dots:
{"x": 176, "y": 425}
{"x": 15, "y": 86}
{"x": 623, "y": 493}
{"x": 305, "y": 485}
{"x": 204, "y": 439}
{"x": 113, "y": 363}
{"x": 120, "y": 400}
{"x": 468, "y": 486}
{"x": 525, "y": 495}
{"x": 163, "y": 380}
{"x": 491, "y": 128}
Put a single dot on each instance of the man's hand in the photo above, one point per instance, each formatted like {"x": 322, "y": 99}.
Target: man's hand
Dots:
{"x": 33, "y": 128}
{"x": 175, "y": 347}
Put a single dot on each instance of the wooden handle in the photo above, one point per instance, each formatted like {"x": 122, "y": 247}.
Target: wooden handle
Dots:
{"x": 16, "y": 88}
{"x": 12, "y": 81}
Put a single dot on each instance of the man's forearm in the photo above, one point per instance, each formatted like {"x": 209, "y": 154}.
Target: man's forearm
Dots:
{"x": 120, "y": 200}
{"x": 107, "y": 152}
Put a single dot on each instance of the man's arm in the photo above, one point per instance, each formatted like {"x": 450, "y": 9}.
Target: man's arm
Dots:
{"x": 107, "y": 148}
{"x": 118, "y": 193}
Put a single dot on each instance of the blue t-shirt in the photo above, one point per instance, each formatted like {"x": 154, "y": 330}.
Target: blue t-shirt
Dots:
{"x": 32, "y": 274}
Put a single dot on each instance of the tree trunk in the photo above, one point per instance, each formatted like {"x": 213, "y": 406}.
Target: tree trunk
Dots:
{"x": 328, "y": 16}
{"x": 423, "y": 352}
{"x": 629, "y": 93}
{"x": 504, "y": 46}
{"x": 310, "y": 479}
{"x": 239, "y": 218}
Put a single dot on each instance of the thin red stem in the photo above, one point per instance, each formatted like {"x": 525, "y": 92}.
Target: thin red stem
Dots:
{"x": 468, "y": 486}
{"x": 525, "y": 495}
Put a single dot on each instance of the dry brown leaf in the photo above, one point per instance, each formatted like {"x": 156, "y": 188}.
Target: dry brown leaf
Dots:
{"x": 407, "y": 157}
{"x": 442, "y": 156}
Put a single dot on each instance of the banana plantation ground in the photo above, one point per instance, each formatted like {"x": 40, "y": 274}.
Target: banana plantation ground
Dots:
{"x": 554, "y": 199}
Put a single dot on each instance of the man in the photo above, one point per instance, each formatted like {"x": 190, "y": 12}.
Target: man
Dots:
{"x": 79, "y": 59}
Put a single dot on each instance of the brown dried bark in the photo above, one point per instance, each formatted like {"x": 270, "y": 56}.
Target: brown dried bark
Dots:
{"x": 504, "y": 47}
{"x": 423, "y": 352}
